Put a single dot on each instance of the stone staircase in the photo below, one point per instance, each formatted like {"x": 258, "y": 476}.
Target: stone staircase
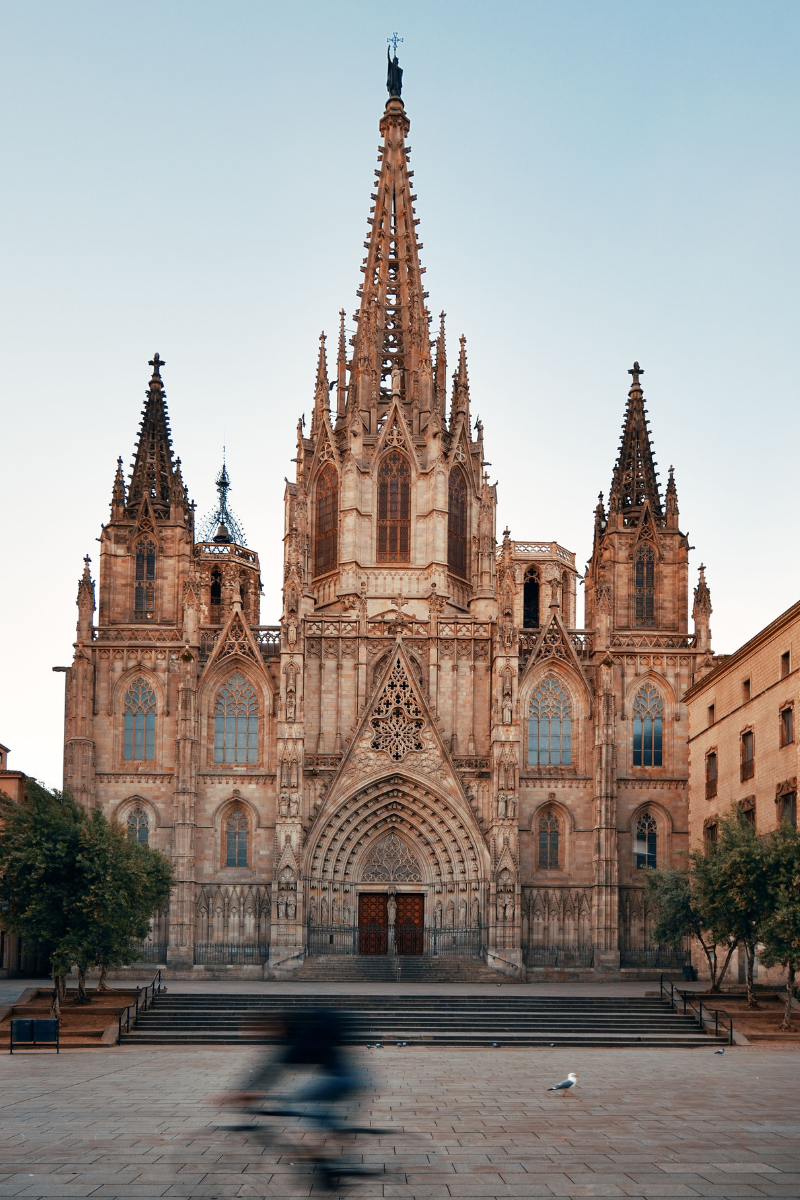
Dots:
{"x": 383, "y": 968}
{"x": 440, "y": 1020}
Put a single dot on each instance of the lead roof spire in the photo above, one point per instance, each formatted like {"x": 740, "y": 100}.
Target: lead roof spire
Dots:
{"x": 392, "y": 318}
{"x": 635, "y": 479}
{"x": 152, "y": 465}
{"x": 221, "y": 524}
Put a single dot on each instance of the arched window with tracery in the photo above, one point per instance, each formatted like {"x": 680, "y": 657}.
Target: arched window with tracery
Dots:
{"x": 548, "y": 841}
{"x": 644, "y": 585}
{"x": 138, "y": 826}
{"x": 236, "y": 831}
{"x": 648, "y": 724}
{"x": 646, "y": 841}
{"x": 144, "y": 601}
{"x": 139, "y": 743}
{"x": 326, "y": 528}
{"x": 236, "y": 722}
{"x": 530, "y": 599}
{"x": 550, "y": 725}
{"x": 457, "y": 523}
{"x": 394, "y": 509}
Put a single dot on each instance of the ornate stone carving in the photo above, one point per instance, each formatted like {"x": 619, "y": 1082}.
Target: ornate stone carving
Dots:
{"x": 397, "y": 721}
{"x": 390, "y": 861}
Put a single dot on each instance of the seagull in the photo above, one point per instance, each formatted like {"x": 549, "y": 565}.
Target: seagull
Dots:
{"x": 566, "y": 1085}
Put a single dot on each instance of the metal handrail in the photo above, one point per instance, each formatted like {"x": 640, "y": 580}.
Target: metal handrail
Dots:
{"x": 141, "y": 1003}
{"x": 687, "y": 998}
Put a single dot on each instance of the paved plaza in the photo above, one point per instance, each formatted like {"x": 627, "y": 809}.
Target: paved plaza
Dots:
{"x": 134, "y": 1122}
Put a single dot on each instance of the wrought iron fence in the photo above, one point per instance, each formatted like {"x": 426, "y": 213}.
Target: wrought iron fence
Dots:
{"x": 242, "y": 954}
{"x": 667, "y": 957}
{"x": 559, "y": 956}
{"x": 150, "y": 952}
{"x": 397, "y": 939}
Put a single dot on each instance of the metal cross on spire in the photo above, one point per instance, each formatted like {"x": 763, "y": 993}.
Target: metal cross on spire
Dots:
{"x": 394, "y": 39}
{"x": 636, "y": 371}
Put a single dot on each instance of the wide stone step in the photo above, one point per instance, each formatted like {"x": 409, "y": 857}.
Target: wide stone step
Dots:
{"x": 196, "y": 1019}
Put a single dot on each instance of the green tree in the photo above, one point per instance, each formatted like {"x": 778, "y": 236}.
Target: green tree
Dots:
{"x": 684, "y": 907}
{"x": 73, "y": 881}
{"x": 123, "y": 884}
{"x": 780, "y": 932}
{"x": 738, "y": 885}
{"x": 38, "y": 848}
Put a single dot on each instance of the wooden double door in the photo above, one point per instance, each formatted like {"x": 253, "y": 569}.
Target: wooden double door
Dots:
{"x": 373, "y": 922}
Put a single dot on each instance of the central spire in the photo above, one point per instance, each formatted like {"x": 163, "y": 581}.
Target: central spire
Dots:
{"x": 635, "y": 477}
{"x": 392, "y": 318}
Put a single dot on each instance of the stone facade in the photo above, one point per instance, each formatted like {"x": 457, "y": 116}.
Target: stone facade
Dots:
{"x": 426, "y": 699}
{"x": 742, "y": 745}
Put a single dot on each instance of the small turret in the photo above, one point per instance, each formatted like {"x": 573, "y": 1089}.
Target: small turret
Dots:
{"x": 671, "y": 501}
{"x": 118, "y": 494}
{"x": 85, "y": 603}
{"x": 321, "y": 389}
{"x": 341, "y": 371}
{"x": 701, "y": 613}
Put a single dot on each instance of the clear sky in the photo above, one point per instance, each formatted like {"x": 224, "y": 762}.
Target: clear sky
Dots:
{"x": 597, "y": 182}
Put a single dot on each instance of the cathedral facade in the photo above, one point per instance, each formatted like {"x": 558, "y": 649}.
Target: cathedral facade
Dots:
{"x": 426, "y": 754}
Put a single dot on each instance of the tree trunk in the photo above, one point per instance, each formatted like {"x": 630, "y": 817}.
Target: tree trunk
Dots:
{"x": 786, "y": 1024}
{"x": 750, "y": 955}
{"x": 55, "y": 1003}
{"x": 102, "y": 986}
{"x": 81, "y": 997}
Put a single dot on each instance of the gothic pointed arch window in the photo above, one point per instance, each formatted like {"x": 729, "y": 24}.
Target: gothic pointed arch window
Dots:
{"x": 549, "y": 831}
{"x": 550, "y": 725}
{"x": 237, "y": 829}
{"x": 236, "y": 722}
{"x": 215, "y": 597}
{"x": 326, "y": 521}
{"x": 139, "y": 742}
{"x": 394, "y": 508}
{"x": 646, "y": 841}
{"x": 644, "y": 589}
{"x": 138, "y": 826}
{"x": 530, "y": 599}
{"x": 457, "y": 559}
{"x": 144, "y": 597}
{"x": 648, "y": 725}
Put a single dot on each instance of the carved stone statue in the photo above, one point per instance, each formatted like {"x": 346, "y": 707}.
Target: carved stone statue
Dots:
{"x": 294, "y": 806}
{"x": 394, "y": 76}
{"x": 283, "y": 804}
{"x": 391, "y": 909}
{"x": 501, "y": 806}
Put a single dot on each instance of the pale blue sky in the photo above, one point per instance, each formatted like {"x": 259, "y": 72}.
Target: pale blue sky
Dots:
{"x": 597, "y": 182}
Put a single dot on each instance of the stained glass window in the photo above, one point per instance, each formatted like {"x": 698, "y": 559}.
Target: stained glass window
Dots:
{"x": 236, "y": 839}
{"x": 550, "y": 725}
{"x": 394, "y": 509}
{"x": 236, "y": 722}
{"x": 138, "y": 826}
{"x": 145, "y": 588}
{"x": 140, "y": 722}
{"x": 548, "y": 842}
{"x": 646, "y": 839}
{"x": 327, "y": 521}
{"x": 644, "y": 585}
{"x": 457, "y": 524}
{"x": 648, "y": 721}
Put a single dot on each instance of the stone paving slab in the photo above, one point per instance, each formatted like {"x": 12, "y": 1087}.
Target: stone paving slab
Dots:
{"x": 137, "y": 1122}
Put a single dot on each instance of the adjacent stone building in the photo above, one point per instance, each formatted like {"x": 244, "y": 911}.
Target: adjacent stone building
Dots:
{"x": 425, "y": 752}
{"x": 742, "y": 746}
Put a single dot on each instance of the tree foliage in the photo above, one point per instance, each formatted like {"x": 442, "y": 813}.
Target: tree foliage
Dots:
{"x": 780, "y": 931}
{"x": 73, "y": 881}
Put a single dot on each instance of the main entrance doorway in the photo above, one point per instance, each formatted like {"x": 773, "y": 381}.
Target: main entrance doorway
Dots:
{"x": 373, "y": 923}
{"x": 409, "y": 923}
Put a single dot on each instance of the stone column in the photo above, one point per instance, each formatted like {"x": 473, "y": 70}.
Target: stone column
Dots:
{"x": 180, "y": 952}
{"x": 605, "y": 902}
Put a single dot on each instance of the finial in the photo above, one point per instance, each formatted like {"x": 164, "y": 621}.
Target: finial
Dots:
{"x": 157, "y": 362}
{"x": 635, "y": 371}
{"x": 86, "y": 561}
{"x": 394, "y": 74}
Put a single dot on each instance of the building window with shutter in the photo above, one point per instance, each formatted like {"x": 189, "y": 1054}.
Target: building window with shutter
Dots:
{"x": 711, "y": 775}
{"x": 787, "y": 725}
{"x": 748, "y": 755}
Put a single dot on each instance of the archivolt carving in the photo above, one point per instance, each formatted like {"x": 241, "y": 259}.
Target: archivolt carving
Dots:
{"x": 445, "y": 846}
